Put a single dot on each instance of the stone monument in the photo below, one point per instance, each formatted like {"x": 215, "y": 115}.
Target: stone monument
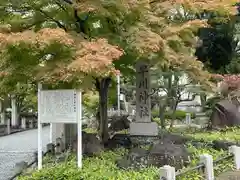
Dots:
{"x": 143, "y": 125}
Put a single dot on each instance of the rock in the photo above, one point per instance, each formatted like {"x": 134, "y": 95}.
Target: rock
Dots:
{"x": 91, "y": 145}
{"x": 166, "y": 153}
{"x": 20, "y": 166}
{"x": 124, "y": 163}
{"x": 62, "y": 157}
{"x": 136, "y": 153}
{"x": 222, "y": 145}
{"x": 175, "y": 138}
{"x": 51, "y": 148}
{"x": 119, "y": 140}
{"x": 59, "y": 146}
{"x": 136, "y": 158}
{"x": 119, "y": 123}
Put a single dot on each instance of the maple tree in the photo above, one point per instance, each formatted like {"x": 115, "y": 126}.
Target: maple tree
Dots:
{"x": 86, "y": 41}
{"x": 229, "y": 83}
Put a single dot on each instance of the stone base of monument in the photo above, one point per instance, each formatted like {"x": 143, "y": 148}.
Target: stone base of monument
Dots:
{"x": 144, "y": 129}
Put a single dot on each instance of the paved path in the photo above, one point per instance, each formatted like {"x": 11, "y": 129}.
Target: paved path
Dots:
{"x": 18, "y": 147}
{"x": 233, "y": 175}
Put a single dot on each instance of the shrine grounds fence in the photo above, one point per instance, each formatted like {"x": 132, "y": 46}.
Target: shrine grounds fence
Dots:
{"x": 205, "y": 167}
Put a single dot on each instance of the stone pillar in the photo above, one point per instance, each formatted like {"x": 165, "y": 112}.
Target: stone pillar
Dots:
{"x": 23, "y": 123}
{"x": 188, "y": 118}
{"x": 235, "y": 150}
{"x": 70, "y": 134}
{"x": 167, "y": 173}
{"x": 66, "y": 132}
{"x": 207, "y": 160}
{"x": 31, "y": 123}
{"x": 8, "y": 126}
{"x": 57, "y": 131}
{"x": 14, "y": 112}
{"x": 2, "y": 119}
{"x": 143, "y": 124}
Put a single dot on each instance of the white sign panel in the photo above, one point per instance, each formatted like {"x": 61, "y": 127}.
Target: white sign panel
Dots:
{"x": 58, "y": 106}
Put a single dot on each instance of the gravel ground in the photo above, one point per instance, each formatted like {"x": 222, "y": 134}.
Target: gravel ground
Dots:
{"x": 18, "y": 147}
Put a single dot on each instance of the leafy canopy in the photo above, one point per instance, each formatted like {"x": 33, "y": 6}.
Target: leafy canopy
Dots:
{"x": 64, "y": 40}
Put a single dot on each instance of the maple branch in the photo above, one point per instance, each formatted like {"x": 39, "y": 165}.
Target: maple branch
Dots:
{"x": 68, "y": 1}
{"x": 151, "y": 2}
{"x": 60, "y": 25}
{"x": 60, "y": 5}
{"x": 79, "y": 22}
{"x": 154, "y": 90}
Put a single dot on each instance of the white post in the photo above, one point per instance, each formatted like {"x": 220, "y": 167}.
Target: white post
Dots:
{"x": 14, "y": 111}
{"x": 133, "y": 112}
{"x": 79, "y": 128}
{"x": 188, "y": 118}
{"x": 3, "y": 117}
{"x": 51, "y": 133}
{"x": 236, "y": 152}
{"x": 8, "y": 126}
{"x": 1, "y": 113}
{"x": 23, "y": 123}
{"x": 39, "y": 130}
{"x": 118, "y": 94}
{"x": 167, "y": 173}
{"x": 207, "y": 160}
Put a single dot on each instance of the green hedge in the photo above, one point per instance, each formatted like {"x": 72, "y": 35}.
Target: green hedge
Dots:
{"x": 180, "y": 115}
{"x": 104, "y": 167}
{"x": 94, "y": 168}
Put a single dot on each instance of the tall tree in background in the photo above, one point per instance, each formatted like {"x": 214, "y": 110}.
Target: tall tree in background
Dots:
{"x": 219, "y": 50}
{"x": 64, "y": 41}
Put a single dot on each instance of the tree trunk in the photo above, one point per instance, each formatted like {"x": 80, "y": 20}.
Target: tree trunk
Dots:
{"x": 161, "y": 116}
{"x": 98, "y": 118}
{"x": 102, "y": 86}
{"x": 174, "y": 108}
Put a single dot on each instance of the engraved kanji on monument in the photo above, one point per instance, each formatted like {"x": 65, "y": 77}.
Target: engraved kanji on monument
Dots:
{"x": 143, "y": 103}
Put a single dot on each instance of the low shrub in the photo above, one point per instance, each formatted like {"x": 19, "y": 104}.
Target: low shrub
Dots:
{"x": 179, "y": 115}
{"x": 95, "y": 168}
{"x": 231, "y": 134}
{"x": 104, "y": 168}
{"x": 157, "y": 120}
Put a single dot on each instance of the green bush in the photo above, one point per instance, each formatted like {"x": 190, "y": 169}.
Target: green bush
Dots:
{"x": 104, "y": 168}
{"x": 95, "y": 168}
{"x": 231, "y": 134}
{"x": 157, "y": 120}
{"x": 180, "y": 115}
